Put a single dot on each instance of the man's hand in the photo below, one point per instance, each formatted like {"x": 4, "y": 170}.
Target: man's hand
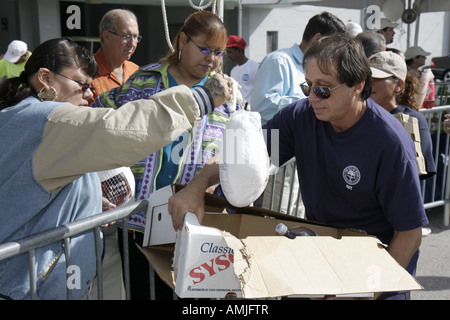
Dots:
{"x": 220, "y": 88}
{"x": 189, "y": 199}
{"x": 192, "y": 197}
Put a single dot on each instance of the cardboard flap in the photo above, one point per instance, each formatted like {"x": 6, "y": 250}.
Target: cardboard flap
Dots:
{"x": 215, "y": 203}
{"x": 277, "y": 266}
{"x": 160, "y": 257}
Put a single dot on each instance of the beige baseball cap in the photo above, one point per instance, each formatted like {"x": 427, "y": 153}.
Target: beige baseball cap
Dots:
{"x": 387, "y": 64}
{"x": 16, "y": 49}
{"x": 414, "y": 52}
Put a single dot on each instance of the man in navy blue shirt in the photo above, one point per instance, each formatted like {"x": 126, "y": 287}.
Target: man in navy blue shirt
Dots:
{"x": 356, "y": 163}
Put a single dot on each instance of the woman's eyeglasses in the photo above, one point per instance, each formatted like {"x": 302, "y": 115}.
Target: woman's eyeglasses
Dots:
{"x": 217, "y": 53}
{"x": 321, "y": 92}
{"x": 127, "y": 37}
{"x": 84, "y": 86}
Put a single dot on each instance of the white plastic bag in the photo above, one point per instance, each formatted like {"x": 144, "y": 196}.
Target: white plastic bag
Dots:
{"x": 244, "y": 161}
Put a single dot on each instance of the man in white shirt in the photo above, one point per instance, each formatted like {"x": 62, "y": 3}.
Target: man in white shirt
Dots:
{"x": 245, "y": 70}
{"x": 281, "y": 72}
{"x": 278, "y": 84}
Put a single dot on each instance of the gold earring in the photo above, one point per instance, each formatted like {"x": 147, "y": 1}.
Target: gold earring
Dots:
{"x": 47, "y": 96}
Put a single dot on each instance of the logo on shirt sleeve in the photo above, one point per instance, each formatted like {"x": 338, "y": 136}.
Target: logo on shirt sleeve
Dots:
{"x": 351, "y": 176}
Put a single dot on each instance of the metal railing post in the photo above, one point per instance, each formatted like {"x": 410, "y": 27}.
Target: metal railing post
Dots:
{"x": 32, "y": 272}
{"x": 98, "y": 255}
{"x": 446, "y": 218}
{"x": 65, "y": 232}
{"x": 67, "y": 256}
{"x": 152, "y": 282}
{"x": 126, "y": 260}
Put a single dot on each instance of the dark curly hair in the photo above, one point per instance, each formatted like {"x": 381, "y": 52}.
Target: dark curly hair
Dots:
{"x": 408, "y": 95}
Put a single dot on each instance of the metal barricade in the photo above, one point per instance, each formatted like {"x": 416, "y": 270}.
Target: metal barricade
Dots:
{"x": 436, "y": 190}
{"x": 442, "y": 93}
{"x": 65, "y": 232}
{"x": 286, "y": 173}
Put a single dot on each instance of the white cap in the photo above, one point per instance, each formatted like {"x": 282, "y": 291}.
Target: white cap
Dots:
{"x": 353, "y": 28}
{"x": 386, "y": 23}
{"x": 16, "y": 49}
{"x": 281, "y": 229}
{"x": 414, "y": 52}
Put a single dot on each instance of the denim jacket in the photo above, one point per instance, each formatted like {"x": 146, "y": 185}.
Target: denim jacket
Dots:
{"x": 49, "y": 155}
{"x": 27, "y": 208}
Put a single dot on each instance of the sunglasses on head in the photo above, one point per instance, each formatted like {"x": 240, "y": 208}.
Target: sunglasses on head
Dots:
{"x": 217, "y": 53}
{"x": 320, "y": 92}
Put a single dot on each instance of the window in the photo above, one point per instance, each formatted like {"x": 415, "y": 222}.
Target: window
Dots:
{"x": 272, "y": 41}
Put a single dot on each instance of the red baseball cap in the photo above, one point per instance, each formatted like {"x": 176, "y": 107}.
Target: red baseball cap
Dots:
{"x": 236, "y": 41}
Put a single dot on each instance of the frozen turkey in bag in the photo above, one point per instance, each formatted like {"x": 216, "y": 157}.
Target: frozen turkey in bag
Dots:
{"x": 244, "y": 161}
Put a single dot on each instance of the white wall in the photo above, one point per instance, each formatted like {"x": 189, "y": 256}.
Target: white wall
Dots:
{"x": 290, "y": 21}
{"x": 39, "y": 20}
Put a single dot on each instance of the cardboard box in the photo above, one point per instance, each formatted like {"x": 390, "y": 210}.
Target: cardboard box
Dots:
{"x": 411, "y": 125}
{"x": 240, "y": 254}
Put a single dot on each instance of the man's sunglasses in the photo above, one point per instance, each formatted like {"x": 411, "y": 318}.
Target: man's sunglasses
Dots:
{"x": 217, "y": 53}
{"x": 84, "y": 86}
{"x": 321, "y": 92}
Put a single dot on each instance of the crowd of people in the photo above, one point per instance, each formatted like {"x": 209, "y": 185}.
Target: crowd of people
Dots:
{"x": 82, "y": 121}
{"x": 60, "y": 145}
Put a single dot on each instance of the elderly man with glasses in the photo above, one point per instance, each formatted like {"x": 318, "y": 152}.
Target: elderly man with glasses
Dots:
{"x": 119, "y": 36}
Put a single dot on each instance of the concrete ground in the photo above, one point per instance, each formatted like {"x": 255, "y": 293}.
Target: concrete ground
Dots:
{"x": 433, "y": 270}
